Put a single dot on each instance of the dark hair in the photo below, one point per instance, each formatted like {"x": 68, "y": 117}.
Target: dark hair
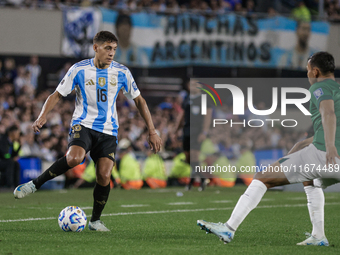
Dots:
{"x": 324, "y": 61}
{"x": 105, "y": 36}
{"x": 123, "y": 18}
{"x": 11, "y": 129}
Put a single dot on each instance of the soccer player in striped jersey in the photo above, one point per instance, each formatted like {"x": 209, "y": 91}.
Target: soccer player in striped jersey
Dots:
{"x": 94, "y": 124}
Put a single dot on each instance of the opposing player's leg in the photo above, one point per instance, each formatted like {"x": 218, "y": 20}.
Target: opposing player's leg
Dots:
{"x": 194, "y": 161}
{"x": 247, "y": 202}
{"x": 101, "y": 193}
{"x": 74, "y": 157}
{"x": 309, "y": 157}
{"x": 315, "y": 204}
{"x": 186, "y": 150}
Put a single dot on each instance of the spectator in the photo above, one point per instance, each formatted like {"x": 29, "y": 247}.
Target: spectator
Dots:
{"x": 29, "y": 147}
{"x": 221, "y": 178}
{"x": 332, "y": 11}
{"x": 88, "y": 177}
{"x": 9, "y": 72}
{"x": 301, "y": 12}
{"x": 128, "y": 167}
{"x": 154, "y": 171}
{"x": 64, "y": 70}
{"x": 250, "y": 7}
{"x": 246, "y": 161}
{"x": 166, "y": 104}
{"x": 180, "y": 171}
{"x": 35, "y": 70}
{"x": 22, "y": 79}
{"x": 46, "y": 152}
{"x": 271, "y": 12}
{"x": 25, "y": 123}
{"x": 9, "y": 151}
{"x": 234, "y": 4}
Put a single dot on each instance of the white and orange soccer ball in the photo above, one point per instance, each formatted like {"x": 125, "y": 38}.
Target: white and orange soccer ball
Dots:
{"x": 72, "y": 218}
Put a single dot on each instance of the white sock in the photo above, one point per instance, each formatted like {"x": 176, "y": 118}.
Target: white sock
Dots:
{"x": 316, "y": 203}
{"x": 247, "y": 202}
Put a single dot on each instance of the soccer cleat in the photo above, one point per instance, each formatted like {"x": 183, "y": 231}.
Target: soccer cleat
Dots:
{"x": 98, "y": 225}
{"x": 221, "y": 230}
{"x": 311, "y": 240}
{"x": 187, "y": 187}
{"x": 203, "y": 186}
{"x": 24, "y": 189}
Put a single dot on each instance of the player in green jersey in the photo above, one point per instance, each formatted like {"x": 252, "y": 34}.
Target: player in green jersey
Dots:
{"x": 318, "y": 157}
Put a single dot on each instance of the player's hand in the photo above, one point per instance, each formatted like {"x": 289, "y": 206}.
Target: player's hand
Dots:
{"x": 331, "y": 155}
{"x": 155, "y": 142}
{"x": 38, "y": 124}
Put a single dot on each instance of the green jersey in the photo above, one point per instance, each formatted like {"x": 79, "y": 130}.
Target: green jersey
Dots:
{"x": 324, "y": 90}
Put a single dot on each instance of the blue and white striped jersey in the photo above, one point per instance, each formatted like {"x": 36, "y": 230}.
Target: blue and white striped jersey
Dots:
{"x": 97, "y": 91}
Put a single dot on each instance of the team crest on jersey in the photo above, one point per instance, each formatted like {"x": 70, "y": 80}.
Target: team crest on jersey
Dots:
{"x": 318, "y": 93}
{"x": 134, "y": 85}
{"x": 101, "y": 81}
{"x": 76, "y": 128}
{"x": 113, "y": 81}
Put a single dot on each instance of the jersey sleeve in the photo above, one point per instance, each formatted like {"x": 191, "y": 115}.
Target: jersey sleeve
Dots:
{"x": 319, "y": 92}
{"x": 67, "y": 84}
{"x": 130, "y": 89}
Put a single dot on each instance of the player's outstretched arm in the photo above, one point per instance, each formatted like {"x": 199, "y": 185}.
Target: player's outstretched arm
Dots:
{"x": 329, "y": 126}
{"x": 154, "y": 140}
{"x": 49, "y": 104}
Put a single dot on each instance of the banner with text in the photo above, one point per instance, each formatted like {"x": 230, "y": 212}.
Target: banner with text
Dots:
{"x": 156, "y": 40}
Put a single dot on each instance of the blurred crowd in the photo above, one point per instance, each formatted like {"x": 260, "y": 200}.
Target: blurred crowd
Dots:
{"x": 303, "y": 9}
{"x": 21, "y": 102}
{"x": 20, "y": 105}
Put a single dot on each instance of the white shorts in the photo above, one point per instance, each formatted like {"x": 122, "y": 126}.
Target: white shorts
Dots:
{"x": 310, "y": 164}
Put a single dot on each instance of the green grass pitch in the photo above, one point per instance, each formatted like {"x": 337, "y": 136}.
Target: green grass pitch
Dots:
{"x": 160, "y": 222}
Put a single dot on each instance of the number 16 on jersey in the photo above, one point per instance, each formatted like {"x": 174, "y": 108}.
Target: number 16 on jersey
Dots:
{"x": 101, "y": 96}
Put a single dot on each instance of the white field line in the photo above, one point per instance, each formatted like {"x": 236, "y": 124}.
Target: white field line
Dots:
{"x": 29, "y": 219}
{"x": 331, "y": 197}
{"x": 48, "y": 208}
{"x": 164, "y": 191}
{"x": 134, "y": 205}
{"x": 173, "y": 211}
{"x": 222, "y": 201}
{"x": 181, "y": 203}
{"x": 297, "y": 198}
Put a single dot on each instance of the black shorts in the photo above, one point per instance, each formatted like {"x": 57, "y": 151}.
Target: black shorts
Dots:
{"x": 99, "y": 144}
{"x": 193, "y": 145}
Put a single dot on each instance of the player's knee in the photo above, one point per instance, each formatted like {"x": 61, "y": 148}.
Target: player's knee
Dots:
{"x": 74, "y": 160}
{"x": 103, "y": 178}
{"x": 105, "y": 175}
{"x": 271, "y": 182}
